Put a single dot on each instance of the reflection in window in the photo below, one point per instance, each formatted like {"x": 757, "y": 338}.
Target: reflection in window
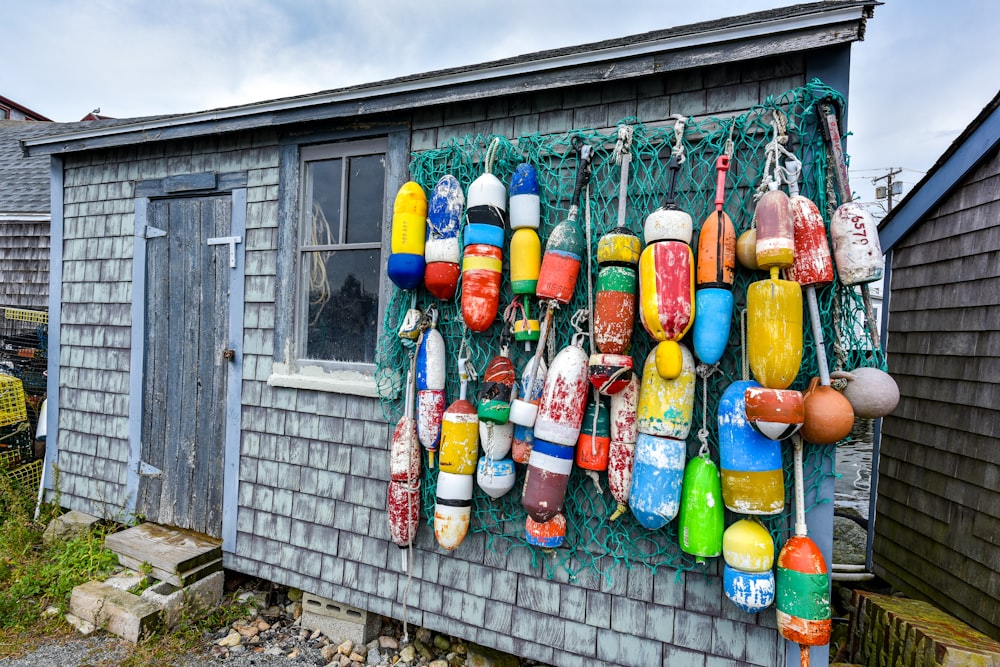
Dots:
{"x": 340, "y": 251}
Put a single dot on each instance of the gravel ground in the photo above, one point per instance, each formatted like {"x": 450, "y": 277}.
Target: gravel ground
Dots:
{"x": 269, "y": 637}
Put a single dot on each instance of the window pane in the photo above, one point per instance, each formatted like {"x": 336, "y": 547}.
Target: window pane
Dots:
{"x": 365, "y": 195}
{"x": 323, "y": 199}
{"x": 343, "y": 305}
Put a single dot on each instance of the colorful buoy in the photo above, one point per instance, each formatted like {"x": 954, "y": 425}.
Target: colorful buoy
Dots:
{"x": 405, "y": 266}
{"x": 442, "y": 252}
{"x": 753, "y": 480}
{"x": 716, "y": 271}
{"x": 621, "y": 451}
{"x": 595, "y": 437}
{"x": 564, "y": 397}
{"x": 481, "y": 267}
{"x": 774, "y": 413}
{"x": 452, "y": 510}
{"x": 702, "y": 517}
{"x": 546, "y": 479}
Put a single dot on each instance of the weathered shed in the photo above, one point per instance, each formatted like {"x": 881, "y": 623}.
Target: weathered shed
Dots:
{"x": 938, "y": 510}
{"x": 192, "y": 386}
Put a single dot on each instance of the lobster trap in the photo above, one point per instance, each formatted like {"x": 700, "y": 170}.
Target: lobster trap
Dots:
{"x": 24, "y": 355}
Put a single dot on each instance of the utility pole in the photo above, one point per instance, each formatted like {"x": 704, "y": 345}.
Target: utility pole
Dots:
{"x": 892, "y": 187}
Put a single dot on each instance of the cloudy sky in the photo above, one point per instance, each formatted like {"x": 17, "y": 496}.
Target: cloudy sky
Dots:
{"x": 923, "y": 72}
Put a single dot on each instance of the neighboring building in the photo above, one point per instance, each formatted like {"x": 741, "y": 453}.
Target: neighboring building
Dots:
{"x": 938, "y": 509}
{"x": 182, "y": 377}
{"x": 11, "y": 110}
{"x": 24, "y": 218}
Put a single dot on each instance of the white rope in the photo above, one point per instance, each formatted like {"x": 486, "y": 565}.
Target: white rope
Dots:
{"x": 704, "y": 371}
{"x": 491, "y": 154}
{"x": 679, "y": 127}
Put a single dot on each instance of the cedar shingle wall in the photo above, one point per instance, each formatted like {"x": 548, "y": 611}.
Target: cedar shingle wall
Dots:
{"x": 314, "y": 465}
{"x": 24, "y": 265}
{"x": 938, "y": 530}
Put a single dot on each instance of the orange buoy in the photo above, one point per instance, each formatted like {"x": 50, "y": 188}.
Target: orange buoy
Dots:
{"x": 828, "y": 415}
{"x": 481, "y": 267}
{"x": 774, "y": 330}
{"x": 716, "y": 271}
{"x": 774, "y": 413}
{"x": 594, "y": 442}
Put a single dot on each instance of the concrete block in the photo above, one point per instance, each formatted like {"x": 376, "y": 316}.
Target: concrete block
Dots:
{"x": 338, "y": 621}
{"x": 116, "y": 611}
{"x": 68, "y": 526}
{"x": 192, "y": 601}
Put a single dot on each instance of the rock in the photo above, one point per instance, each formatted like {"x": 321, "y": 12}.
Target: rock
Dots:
{"x": 274, "y": 650}
{"x": 482, "y": 656}
{"x": 82, "y": 626}
{"x": 51, "y": 611}
{"x": 374, "y": 657}
{"x": 295, "y": 595}
{"x": 328, "y": 652}
{"x": 385, "y": 641}
{"x": 232, "y": 639}
{"x": 237, "y": 649}
{"x": 442, "y": 643}
{"x": 407, "y": 654}
{"x": 424, "y": 635}
{"x": 343, "y": 661}
{"x": 262, "y": 625}
{"x": 294, "y": 654}
{"x": 68, "y": 526}
{"x": 247, "y": 631}
{"x": 316, "y": 634}
{"x": 850, "y": 542}
{"x": 438, "y": 663}
{"x": 423, "y": 650}
{"x": 346, "y": 647}
{"x": 220, "y": 651}
{"x": 357, "y": 657}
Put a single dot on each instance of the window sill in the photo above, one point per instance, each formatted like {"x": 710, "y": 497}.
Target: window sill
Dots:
{"x": 341, "y": 382}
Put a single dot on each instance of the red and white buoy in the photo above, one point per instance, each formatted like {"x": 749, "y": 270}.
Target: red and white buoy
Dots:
{"x": 403, "y": 501}
{"x": 621, "y": 453}
{"x": 431, "y": 380}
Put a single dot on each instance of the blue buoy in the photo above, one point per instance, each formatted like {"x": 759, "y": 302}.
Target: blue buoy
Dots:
{"x": 656, "y": 479}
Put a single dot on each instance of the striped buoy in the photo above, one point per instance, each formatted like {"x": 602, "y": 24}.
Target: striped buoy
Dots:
{"x": 702, "y": 518}
{"x": 753, "y": 480}
{"x": 431, "y": 380}
{"x": 564, "y": 396}
{"x": 615, "y": 290}
{"x": 595, "y": 437}
{"x": 442, "y": 252}
{"x": 775, "y": 229}
{"x": 459, "y": 438}
{"x": 548, "y": 535}
{"x": 610, "y": 373}
{"x": 525, "y": 261}
{"x": 496, "y": 389}
{"x": 621, "y": 451}
{"x": 525, "y": 203}
{"x": 748, "y": 580}
{"x": 716, "y": 271}
{"x": 546, "y": 479}
{"x": 776, "y": 414}
{"x": 481, "y": 267}
{"x": 405, "y": 266}
{"x": 452, "y": 510}
{"x": 487, "y": 211}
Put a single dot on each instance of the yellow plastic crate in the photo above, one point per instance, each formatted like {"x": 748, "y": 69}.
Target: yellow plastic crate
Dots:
{"x": 12, "y": 408}
{"x": 9, "y": 458}
{"x": 29, "y": 475}
{"x": 38, "y": 316}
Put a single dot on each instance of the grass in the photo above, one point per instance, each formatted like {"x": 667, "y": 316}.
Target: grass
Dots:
{"x": 35, "y": 577}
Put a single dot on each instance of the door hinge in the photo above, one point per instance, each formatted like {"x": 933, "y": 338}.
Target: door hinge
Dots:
{"x": 148, "y": 470}
{"x": 150, "y": 232}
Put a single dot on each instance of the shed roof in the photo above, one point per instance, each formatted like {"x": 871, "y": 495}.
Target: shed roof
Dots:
{"x": 774, "y": 32}
{"x": 963, "y": 155}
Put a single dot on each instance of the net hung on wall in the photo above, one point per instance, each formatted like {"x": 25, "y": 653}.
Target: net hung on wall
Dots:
{"x": 779, "y": 140}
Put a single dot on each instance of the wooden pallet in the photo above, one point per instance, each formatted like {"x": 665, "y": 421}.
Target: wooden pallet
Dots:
{"x": 179, "y": 557}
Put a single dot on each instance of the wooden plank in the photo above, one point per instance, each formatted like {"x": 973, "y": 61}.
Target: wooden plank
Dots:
{"x": 984, "y": 292}
{"x": 958, "y": 343}
{"x": 171, "y": 550}
{"x": 974, "y": 369}
{"x": 978, "y": 190}
{"x": 961, "y": 259}
{"x": 189, "y": 182}
{"x": 972, "y": 420}
{"x": 976, "y": 318}
{"x": 178, "y": 579}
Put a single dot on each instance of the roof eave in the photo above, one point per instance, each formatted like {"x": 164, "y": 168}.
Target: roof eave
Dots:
{"x": 394, "y": 95}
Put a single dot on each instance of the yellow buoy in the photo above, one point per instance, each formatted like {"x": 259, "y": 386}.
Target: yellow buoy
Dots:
{"x": 774, "y": 330}
{"x": 666, "y": 406}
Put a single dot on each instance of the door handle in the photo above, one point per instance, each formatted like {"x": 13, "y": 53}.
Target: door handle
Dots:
{"x": 228, "y": 354}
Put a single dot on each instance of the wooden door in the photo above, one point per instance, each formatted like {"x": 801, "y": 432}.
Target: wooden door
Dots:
{"x": 185, "y": 370}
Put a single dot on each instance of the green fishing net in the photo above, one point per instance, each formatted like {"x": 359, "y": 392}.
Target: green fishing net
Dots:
{"x": 594, "y": 545}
